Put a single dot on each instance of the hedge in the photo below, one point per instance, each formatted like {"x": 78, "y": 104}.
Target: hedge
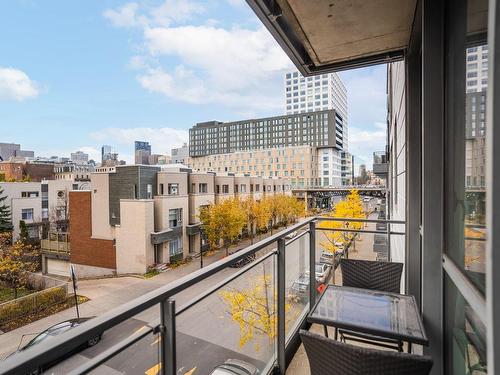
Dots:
{"x": 32, "y": 303}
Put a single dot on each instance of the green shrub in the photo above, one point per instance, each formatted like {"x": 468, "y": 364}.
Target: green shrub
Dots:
{"x": 31, "y": 303}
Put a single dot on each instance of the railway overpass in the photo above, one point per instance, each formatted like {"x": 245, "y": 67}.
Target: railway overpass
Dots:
{"x": 321, "y": 197}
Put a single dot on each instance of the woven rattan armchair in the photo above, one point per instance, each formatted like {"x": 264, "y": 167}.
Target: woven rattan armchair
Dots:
{"x": 330, "y": 357}
{"x": 367, "y": 274}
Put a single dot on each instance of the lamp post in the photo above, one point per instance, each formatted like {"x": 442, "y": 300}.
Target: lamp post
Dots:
{"x": 201, "y": 246}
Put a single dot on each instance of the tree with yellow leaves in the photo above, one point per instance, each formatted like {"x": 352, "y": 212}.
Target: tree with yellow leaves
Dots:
{"x": 223, "y": 221}
{"x": 254, "y": 309}
{"x": 350, "y": 208}
{"x": 257, "y": 215}
{"x": 16, "y": 262}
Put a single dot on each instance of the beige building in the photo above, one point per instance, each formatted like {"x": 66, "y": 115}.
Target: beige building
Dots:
{"x": 297, "y": 163}
{"x": 151, "y": 213}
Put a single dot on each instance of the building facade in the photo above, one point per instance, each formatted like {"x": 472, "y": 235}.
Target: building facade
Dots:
{"x": 22, "y": 170}
{"x": 142, "y": 152}
{"x": 150, "y": 214}
{"x": 318, "y": 93}
{"x": 180, "y": 155}
{"x": 10, "y": 150}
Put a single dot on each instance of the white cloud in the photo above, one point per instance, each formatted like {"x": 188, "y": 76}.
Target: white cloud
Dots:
{"x": 236, "y": 67}
{"x": 162, "y": 140}
{"x": 16, "y": 85}
{"x": 363, "y": 142}
{"x": 126, "y": 16}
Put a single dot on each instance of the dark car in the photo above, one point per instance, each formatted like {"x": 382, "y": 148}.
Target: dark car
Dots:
{"x": 243, "y": 261}
{"x": 56, "y": 330}
{"x": 235, "y": 367}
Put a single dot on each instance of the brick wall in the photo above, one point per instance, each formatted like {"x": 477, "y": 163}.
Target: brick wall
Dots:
{"x": 11, "y": 170}
{"x": 84, "y": 249}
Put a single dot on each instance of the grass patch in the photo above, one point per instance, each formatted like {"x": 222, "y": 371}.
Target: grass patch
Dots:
{"x": 151, "y": 273}
{"x": 7, "y": 294}
{"x": 30, "y": 318}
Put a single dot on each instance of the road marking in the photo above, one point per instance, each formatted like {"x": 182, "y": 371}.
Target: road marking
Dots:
{"x": 156, "y": 341}
{"x": 139, "y": 330}
{"x": 154, "y": 370}
{"x": 191, "y": 372}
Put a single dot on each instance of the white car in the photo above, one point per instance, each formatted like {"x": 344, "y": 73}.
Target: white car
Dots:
{"x": 367, "y": 199}
{"x": 291, "y": 235}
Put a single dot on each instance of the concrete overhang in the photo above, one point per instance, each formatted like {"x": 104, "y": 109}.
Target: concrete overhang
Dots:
{"x": 322, "y": 36}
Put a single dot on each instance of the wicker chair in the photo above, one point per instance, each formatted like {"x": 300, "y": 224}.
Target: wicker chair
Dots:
{"x": 366, "y": 274}
{"x": 329, "y": 357}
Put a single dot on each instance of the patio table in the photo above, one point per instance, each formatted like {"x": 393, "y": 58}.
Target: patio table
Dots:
{"x": 383, "y": 314}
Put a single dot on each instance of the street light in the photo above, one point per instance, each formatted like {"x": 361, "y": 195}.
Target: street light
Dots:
{"x": 201, "y": 246}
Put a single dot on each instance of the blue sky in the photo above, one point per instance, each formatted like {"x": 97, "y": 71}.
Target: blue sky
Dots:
{"x": 76, "y": 75}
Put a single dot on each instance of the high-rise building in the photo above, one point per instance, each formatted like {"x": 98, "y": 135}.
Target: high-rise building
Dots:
{"x": 142, "y": 152}
{"x": 180, "y": 155}
{"x": 318, "y": 93}
{"x": 475, "y": 116}
{"x": 105, "y": 153}
{"x": 8, "y": 150}
{"x": 79, "y": 157}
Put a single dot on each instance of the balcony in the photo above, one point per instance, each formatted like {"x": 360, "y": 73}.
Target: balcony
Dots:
{"x": 173, "y": 328}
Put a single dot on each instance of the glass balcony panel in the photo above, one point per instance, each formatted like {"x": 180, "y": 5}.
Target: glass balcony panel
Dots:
{"x": 465, "y": 335}
{"x": 237, "y": 321}
{"x": 296, "y": 283}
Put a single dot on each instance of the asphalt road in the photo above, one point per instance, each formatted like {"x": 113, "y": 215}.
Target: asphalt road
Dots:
{"x": 206, "y": 334}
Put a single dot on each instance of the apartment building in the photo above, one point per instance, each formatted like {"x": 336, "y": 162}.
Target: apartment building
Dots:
{"x": 318, "y": 93}
{"x": 37, "y": 203}
{"x": 225, "y": 147}
{"x": 19, "y": 170}
{"x": 149, "y": 215}
{"x": 11, "y": 150}
{"x": 180, "y": 155}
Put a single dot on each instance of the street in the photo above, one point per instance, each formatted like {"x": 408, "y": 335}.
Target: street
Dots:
{"x": 206, "y": 334}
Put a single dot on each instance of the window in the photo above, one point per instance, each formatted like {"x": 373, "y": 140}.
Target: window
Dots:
{"x": 243, "y": 188}
{"x": 29, "y": 194}
{"x": 161, "y": 189}
{"x": 27, "y": 214}
{"x": 217, "y": 189}
{"x": 203, "y": 188}
{"x": 225, "y": 189}
{"x": 149, "y": 191}
{"x": 173, "y": 189}
{"x": 175, "y": 247}
{"x": 174, "y": 217}
{"x": 257, "y": 187}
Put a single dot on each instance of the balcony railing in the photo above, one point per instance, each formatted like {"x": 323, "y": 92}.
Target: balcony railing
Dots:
{"x": 253, "y": 314}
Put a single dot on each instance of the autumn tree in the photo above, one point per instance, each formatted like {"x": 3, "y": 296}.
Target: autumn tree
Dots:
{"x": 5, "y": 214}
{"x": 223, "y": 221}
{"x": 254, "y": 308}
{"x": 350, "y": 208}
{"x": 257, "y": 215}
{"x": 16, "y": 262}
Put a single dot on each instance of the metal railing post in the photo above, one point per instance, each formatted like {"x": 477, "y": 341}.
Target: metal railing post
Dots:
{"x": 312, "y": 264}
{"x": 281, "y": 307}
{"x": 167, "y": 338}
{"x": 388, "y": 241}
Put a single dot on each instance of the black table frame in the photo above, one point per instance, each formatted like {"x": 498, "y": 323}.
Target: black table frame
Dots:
{"x": 371, "y": 331}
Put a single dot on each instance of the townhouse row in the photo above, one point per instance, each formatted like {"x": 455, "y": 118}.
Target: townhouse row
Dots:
{"x": 138, "y": 216}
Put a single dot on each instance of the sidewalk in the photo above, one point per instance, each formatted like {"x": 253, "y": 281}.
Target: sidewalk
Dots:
{"x": 108, "y": 293}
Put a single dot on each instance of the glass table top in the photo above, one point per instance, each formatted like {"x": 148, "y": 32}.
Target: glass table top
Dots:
{"x": 385, "y": 314}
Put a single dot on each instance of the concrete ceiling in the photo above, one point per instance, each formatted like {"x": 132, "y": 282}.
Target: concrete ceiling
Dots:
{"x": 338, "y": 30}
{"x": 321, "y": 35}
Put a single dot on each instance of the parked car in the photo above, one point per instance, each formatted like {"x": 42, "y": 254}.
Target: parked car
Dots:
{"x": 322, "y": 271}
{"x": 330, "y": 259}
{"x": 300, "y": 287}
{"x": 236, "y": 367}
{"x": 242, "y": 262}
{"x": 367, "y": 199}
{"x": 291, "y": 235}
{"x": 56, "y": 330}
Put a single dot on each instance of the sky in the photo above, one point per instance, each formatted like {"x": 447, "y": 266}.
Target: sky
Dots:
{"x": 77, "y": 75}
